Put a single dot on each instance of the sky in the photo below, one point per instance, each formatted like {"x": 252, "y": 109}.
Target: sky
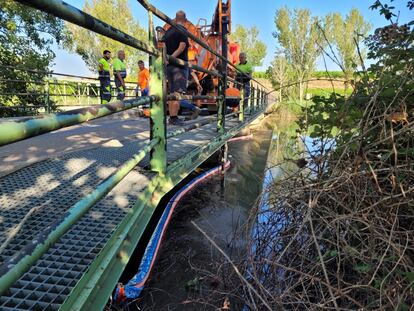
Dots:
{"x": 248, "y": 13}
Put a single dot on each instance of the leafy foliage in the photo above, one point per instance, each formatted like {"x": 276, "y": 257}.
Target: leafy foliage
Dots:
{"x": 281, "y": 74}
{"x": 261, "y": 75}
{"x": 90, "y": 45}
{"x": 298, "y": 36}
{"x": 249, "y": 43}
{"x": 26, "y": 37}
{"x": 345, "y": 34}
{"x": 337, "y": 234}
{"x": 302, "y": 39}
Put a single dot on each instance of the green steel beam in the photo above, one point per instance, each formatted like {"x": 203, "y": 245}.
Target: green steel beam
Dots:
{"x": 12, "y": 131}
{"x": 253, "y": 103}
{"x": 180, "y": 62}
{"x": 221, "y": 109}
{"x": 158, "y": 128}
{"x": 73, "y": 15}
{"x": 241, "y": 105}
{"x": 96, "y": 285}
{"x": 263, "y": 99}
{"x": 221, "y": 106}
{"x": 15, "y": 267}
{"x": 249, "y": 101}
{"x": 259, "y": 105}
{"x": 190, "y": 127}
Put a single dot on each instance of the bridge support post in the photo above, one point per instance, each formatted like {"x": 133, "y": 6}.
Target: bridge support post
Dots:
{"x": 261, "y": 99}
{"x": 224, "y": 151}
{"x": 249, "y": 100}
{"x": 158, "y": 155}
{"x": 266, "y": 100}
{"x": 47, "y": 97}
{"x": 241, "y": 109}
{"x": 253, "y": 98}
{"x": 221, "y": 109}
{"x": 221, "y": 106}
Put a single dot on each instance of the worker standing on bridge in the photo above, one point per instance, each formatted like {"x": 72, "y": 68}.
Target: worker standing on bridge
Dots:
{"x": 176, "y": 43}
{"x": 143, "y": 78}
{"x": 244, "y": 74}
{"x": 104, "y": 70}
{"x": 120, "y": 74}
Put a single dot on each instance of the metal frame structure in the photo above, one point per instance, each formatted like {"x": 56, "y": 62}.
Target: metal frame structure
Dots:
{"x": 93, "y": 289}
{"x": 66, "y": 91}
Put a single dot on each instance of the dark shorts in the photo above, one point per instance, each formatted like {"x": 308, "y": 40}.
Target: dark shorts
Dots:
{"x": 232, "y": 102}
{"x": 177, "y": 79}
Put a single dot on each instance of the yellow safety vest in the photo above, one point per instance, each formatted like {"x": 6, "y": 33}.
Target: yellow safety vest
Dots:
{"x": 106, "y": 72}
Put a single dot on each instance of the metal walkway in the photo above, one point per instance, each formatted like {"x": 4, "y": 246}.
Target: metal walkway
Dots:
{"x": 51, "y": 187}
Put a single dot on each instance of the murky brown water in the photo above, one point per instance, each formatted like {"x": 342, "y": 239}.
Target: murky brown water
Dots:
{"x": 220, "y": 206}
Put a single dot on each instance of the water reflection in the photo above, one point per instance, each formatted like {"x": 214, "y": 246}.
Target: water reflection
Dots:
{"x": 221, "y": 208}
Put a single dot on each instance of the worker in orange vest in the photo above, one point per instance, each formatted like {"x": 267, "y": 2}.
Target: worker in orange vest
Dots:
{"x": 143, "y": 78}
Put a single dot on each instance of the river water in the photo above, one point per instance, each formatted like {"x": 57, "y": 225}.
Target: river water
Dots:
{"x": 220, "y": 206}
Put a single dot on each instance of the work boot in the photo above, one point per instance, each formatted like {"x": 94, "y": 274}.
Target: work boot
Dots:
{"x": 176, "y": 121}
{"x": 194, "y": 114}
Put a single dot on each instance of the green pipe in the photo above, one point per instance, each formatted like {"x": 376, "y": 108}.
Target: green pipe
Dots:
{"x": 15, "y": 267}
{"x": 73, "y": 15}
{"x": 12, "y": 131}
{"x": 190, "y": 127}
{"x": 158, "y": 124}
{"x": 180, "y": 62}
{"x": 241, "y": 105}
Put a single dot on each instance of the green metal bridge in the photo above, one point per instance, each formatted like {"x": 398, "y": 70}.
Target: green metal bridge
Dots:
{"x": 76, "y": 194}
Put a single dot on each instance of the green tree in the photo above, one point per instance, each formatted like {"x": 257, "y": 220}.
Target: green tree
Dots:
{"x": 26, "y": 37}
{"x": 249, "y": 43}
{"x": 90, "y": 45}
{"x": 300, "y": 40}
{"x": 280, "y": 71}
{"x": 345, "y": 35}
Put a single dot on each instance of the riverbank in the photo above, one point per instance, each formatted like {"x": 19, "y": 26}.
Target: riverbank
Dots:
{"x": 183, "y": 276}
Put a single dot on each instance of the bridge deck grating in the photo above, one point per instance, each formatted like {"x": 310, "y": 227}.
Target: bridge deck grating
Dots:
{"x": 54, "y": 185}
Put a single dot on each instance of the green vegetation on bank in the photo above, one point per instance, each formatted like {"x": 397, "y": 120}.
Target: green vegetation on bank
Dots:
{"x": 336, "y": 233}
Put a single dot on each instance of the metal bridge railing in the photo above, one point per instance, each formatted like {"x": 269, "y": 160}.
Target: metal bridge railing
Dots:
{"x": 158, "y": 84}
{"x": 59, "y": 90}
{"x": 12, "y": 131}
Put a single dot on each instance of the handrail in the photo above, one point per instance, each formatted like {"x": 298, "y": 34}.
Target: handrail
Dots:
{"x": 43, "y": 72}
{"x": 192, "y": 97}
{"x": 191, "y": 127}
{"x": 181, "y": 62}
{"x": 12, "y": 131}
{"x": 71, "y": 14}
{"x": 53, "y": 80}
{"x": 16, "y": 266}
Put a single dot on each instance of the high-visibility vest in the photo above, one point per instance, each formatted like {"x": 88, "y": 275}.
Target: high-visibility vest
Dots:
{"x": 119, "y": 65}
{"x": 234, "y": 53}
{"x": 106, "y": 72}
